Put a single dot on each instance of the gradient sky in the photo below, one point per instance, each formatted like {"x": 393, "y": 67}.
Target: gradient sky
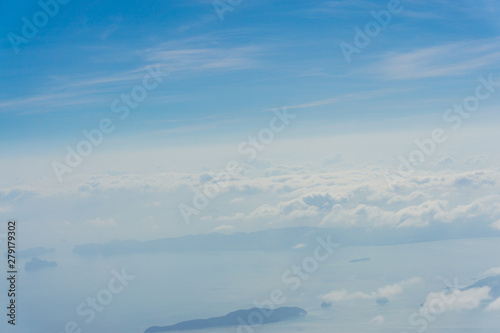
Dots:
{"x": 264, "y": 54}
{"x": 221, "y": 80}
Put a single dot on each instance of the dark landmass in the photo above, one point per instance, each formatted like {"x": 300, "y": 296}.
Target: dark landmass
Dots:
{"x": 33, "y": 252}
{"x": 359, "y": 260}
{"x": 241, "y": 317}
{"x": 326, "y": 304}
{"x": 382, "y": 301}
{"x": 36, "y": 264}
{"x": 282, "y": 240}
{"x": 493, "y": 282}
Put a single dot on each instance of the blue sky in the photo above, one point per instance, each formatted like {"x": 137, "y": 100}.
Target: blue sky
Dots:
{"x": 263, "y": 55}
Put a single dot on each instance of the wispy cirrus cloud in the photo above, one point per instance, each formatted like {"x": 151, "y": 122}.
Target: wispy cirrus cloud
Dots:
{"x": 440, "y": 61}
{"x": 192, "y": 59}
{"x": 337, "y": 8}
{"x": 366, "y": 95}
{"x": 39, "y": 99}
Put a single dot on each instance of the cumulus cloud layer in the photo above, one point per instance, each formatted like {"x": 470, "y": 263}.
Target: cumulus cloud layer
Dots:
{"x": 262, "y": 195}
{"x": 354, "y": 198}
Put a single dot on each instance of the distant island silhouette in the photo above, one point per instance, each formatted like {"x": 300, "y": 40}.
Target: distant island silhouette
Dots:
{"x": 281, "y": 239}
{"x": 491, "y": 281}
{"x": 37, "y": 264}
{"x": 236, "y": 318}
{"x": 353, "y": 261}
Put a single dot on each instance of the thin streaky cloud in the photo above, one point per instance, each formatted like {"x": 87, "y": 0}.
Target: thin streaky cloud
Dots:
{"x": 346, "y": 97}
{"x": 197, "y": 59}
{"x": 440, "y": 61}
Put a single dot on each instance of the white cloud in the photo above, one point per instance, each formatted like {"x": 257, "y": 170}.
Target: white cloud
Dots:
{"x": 495, "y": 271}
{"x": 346, "y": 199}
{"x": 496, "y": 225}
{"x": 343, "y": 98}
{"x": 223, "y": 228}
{"x": 389, "y": 291}
{"x": 365, "y": 215}
{"x": 442, "y": 60}
{"x": 378, "y": 320}
{"x": 189, "y": 57}
{"x": 494, "y": 306}
{"x": 276, "y": 195}
{"x": 235, "y": 217}
{"x": 6, "y": 209}
{"x": 98, "y": 222}
{"x": 471, "y": 298}
{"x": 458, "y": 300}
{"x": 418, "y": 196}
{"x": 395, "y": 289}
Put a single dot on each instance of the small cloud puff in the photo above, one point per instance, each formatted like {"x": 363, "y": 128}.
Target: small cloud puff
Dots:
{"x": 496, "y": 225}
{"x": 495, "y": 271}
{"x": 223, "y": 228}
{"x": 98, "y": 222}
{"x": 388, "y": 292}
{"x": 378, "y": 320}
{"x": 494, "y": 306}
